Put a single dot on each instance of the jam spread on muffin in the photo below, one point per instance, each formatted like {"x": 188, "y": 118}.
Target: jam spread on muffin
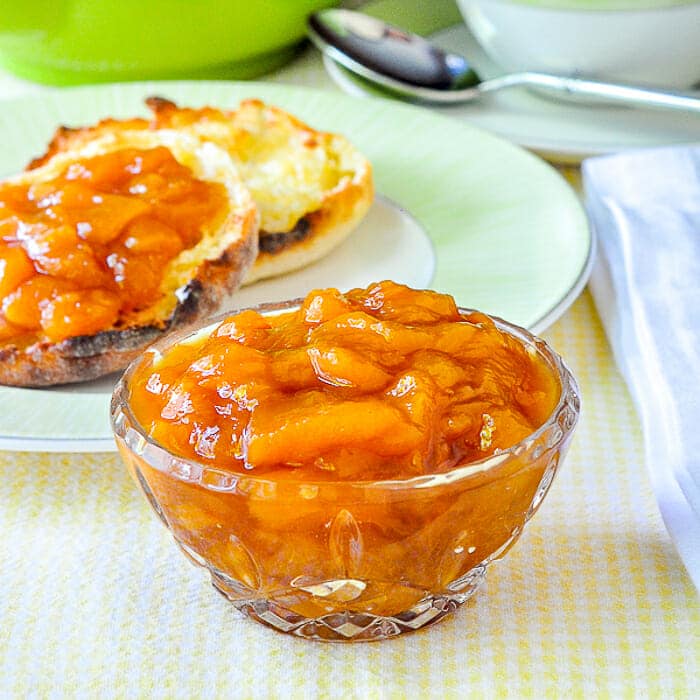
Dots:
{"x": 83, "y": 250}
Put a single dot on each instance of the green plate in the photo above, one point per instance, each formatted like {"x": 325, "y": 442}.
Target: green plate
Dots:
{"x": 489, "y": 223}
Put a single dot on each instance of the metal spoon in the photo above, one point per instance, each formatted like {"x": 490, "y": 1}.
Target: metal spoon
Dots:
{"x": 411, "y": 67}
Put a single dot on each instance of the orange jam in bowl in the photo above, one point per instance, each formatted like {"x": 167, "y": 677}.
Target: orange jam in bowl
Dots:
{"x": 346, "y": 466}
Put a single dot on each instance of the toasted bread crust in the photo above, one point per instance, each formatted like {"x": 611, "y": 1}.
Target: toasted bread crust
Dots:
{"x": 332, "y": 216}
{"x": 217, "y": 274}
{"x": 67, "y": 138}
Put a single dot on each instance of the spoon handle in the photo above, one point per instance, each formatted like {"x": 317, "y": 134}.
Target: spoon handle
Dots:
{"x": 630, "y": 95}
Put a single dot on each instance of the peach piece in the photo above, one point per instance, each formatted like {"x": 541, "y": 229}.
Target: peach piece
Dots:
{"x": 64, "y": 256}
{"x": 342, "y": 367}
{"x": 148, "y": 235}
{"x": 107, "y": 217}
{"x": 396, "y": 302}
{"x": 79, "y": 313}
{"x": 279, "y": 431}
{"x": 23, "y": 306}
{"x": 8, "y": 330}
{"x": 322, "y": 305}
{"x": 15, "y": 268}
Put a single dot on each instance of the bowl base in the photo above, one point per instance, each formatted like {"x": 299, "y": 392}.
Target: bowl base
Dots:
{"x": 48, "y": 73}
{"x": 349, "y": 625}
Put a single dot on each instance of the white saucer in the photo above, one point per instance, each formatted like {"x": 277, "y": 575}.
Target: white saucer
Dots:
{"x": 567, "y": 131}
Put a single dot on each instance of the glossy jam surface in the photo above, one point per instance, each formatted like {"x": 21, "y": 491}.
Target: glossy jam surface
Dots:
{"x": 80, "y": 253}
{"x": 379, "y": 383}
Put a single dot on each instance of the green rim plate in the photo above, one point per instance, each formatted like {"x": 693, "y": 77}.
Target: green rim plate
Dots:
{"x": 509, "y": 235}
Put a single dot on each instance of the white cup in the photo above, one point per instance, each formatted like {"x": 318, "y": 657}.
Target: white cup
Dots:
{"x": 649, "y": 42}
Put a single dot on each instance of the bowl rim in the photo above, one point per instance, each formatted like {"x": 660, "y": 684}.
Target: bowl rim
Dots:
{"x": 645, "y": 7}
{"x": 569, "y": 399}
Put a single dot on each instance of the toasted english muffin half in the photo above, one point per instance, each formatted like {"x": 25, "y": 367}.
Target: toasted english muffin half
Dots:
{"x": 192, "y": 284}
{"x": 312, "y": 188}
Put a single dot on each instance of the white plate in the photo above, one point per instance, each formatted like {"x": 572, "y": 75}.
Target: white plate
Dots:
{"x": 490, "y": 224}
{"x": 570, "y": 130}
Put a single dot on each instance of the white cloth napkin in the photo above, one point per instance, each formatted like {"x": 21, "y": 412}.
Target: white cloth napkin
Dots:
{"x": 644, "y": 207}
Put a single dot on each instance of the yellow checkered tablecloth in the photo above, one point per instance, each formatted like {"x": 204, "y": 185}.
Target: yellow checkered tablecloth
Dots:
{"x": 96, "y": 600}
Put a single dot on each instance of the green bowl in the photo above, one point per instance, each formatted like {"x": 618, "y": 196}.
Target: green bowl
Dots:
{"x": 65, "y": 42}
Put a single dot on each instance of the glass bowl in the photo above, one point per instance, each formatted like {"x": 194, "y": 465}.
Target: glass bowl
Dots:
{"x": 349, "y": 560}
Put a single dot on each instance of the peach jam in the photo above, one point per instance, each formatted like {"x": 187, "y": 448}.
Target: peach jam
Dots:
{"x": 81, "y": 252}
{"x": 347, "y": 468}
{"x": 378, "y": 383}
